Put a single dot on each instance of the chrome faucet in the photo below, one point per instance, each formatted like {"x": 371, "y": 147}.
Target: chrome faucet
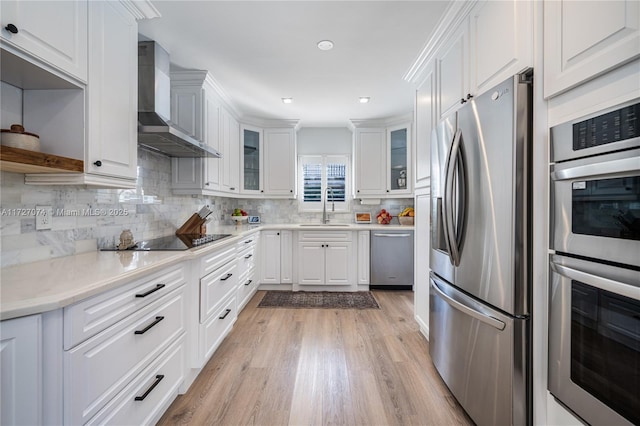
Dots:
{"x": 325, "y": 219}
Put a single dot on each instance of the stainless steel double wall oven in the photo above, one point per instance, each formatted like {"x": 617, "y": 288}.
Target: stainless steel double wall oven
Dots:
{"x": 594, "y": 318}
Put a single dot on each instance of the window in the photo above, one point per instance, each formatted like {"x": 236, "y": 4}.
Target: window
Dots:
{"x": 323, "y": 176}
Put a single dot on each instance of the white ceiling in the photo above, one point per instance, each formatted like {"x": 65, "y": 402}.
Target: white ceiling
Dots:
{"x": 262, "y": 51}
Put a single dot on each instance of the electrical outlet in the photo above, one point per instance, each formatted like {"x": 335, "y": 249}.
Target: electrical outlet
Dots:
{"x": 43, "y": 217}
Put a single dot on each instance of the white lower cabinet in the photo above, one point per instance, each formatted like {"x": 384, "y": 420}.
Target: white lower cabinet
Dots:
{"x": 148, "y": 396}
{"x": 326, "y": 258}
{"x": 421, "y": 260}
{"x": 98, "y": 369}
{"x": 248, "y": 258}
{"x": 21, "y": 371}
{"x": 364, "y": 255}
{"x": 217, "y": 298}
{"x": 276, "y": 258}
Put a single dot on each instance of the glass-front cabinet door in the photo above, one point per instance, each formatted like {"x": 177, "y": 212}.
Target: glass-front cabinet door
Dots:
{"x": 251, "y": 159}
{"x": 398, "y": 164}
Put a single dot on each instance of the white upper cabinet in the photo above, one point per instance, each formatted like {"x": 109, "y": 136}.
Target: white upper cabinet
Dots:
{"x": 583, "y": 39}
{"x": 268, "y": 162}
{"x": 382, "y": 163}
{"x": 425, "y": 112}
{"x": 501, "y": 42}
{"x": 54, "y": 32}
{"x": 197, "y": 110}
{"x": 251, "y": 160}
{"x": 370, "y": 156}
{"x": 452, "y": 69}
{"x": 112, "y": 93}
{"x": 279, "y": 163}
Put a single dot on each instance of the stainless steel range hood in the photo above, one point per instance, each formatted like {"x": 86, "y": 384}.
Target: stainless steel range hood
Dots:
{"x": 155, "y": 130}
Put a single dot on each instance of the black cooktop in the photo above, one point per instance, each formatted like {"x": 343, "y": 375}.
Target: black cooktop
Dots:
{"x": 174, "y": 242}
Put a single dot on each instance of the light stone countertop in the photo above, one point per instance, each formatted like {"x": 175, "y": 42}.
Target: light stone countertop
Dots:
{"x": 47, "y": 285}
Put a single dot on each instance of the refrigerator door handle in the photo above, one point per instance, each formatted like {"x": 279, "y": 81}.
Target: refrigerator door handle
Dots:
{"x": 493, "y": 322}
{"x": 452, "y": 237}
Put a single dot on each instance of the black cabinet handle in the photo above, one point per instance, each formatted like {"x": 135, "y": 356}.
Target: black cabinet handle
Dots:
{"x": 248, "y": 256}
{"x": 207, "y": 183}
{"x": 248, "y": 241}
{"x": 469, "y": 96}
{"x": 277, "y": 233}
{"x": 226, "y": 278}
{"x": 153, "y": 290}
{"x": 97, "y": 163}
{"x": 387, "y": 190}
{"x": 358, "y": 190}
{"x": 226, "y": 312}
{"x": 291, "y": 190}
{"x": 248, "y": 282}
{"x": 232, "y": 189}
{"x": 12, "y": 29}
{"x": 462, "y": 101}
{"x": 262, "y": 190}
{"x": 147, "y": 328}
{"x": 322, "y": 245}
{"x": 159, "y": 378}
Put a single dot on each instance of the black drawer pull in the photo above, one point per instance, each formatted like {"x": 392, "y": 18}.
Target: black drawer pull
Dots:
{"x": 248, "y": 241}
{"x": 159, "y": 378}
{"x": 226, "y": 312}
{"x": 248, "y": 282}
{"x": 226, "y": 278}
{"x": 153, "y": 290}
{"x": 248, "y": 256}
{"x": 147, "y": 328}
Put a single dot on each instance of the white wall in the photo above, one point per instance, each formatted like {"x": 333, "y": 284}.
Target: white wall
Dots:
{"x": 324, "y": 140}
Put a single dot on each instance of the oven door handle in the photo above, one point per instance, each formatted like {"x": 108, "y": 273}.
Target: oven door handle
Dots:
{"x": 627, "y": 290}
{"x": 621, "y": 166}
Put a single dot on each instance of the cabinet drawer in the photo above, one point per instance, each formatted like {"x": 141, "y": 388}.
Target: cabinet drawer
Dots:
{"x": 216, "y": 287}
{"x": 248, "y": 241}
{"x": 217, "y": 327}
{"x": 247, "y": 284}
{"x": 213, "y": 261}
{"x": 324, "y": 235}
{"x": 96, "y": 370}
{"x": 91, "y": 316}
{"x": 246, "y": 259}
{"x": 145, "y": 399}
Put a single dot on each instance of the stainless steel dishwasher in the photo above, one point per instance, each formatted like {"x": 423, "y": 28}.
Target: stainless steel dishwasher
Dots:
{"x": 391, "y": 259}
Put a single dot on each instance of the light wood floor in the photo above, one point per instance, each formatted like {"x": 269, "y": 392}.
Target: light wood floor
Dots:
{"x": 321, "y": 367}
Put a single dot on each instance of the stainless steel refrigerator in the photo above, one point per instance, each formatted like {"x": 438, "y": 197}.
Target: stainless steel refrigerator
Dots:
{"x": 480, "y": 281}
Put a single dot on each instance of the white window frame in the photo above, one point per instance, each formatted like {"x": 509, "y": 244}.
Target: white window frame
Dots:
{"x": 340, "y": 206}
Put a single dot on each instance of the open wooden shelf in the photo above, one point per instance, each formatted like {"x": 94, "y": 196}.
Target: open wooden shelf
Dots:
{"x": 24, "y": 161}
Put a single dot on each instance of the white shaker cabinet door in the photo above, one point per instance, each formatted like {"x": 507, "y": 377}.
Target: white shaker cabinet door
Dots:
{"x": 279, "y": 162}
{"x": 370, "y": 152}
{"x": 52, "y": 31}
{"x": 338, "y": 263}
{"x": 452, "y": 69}
{"x": 21, "y": 371}
{"x": 270, "y": 257}
{"x": 311, "y": 263}
{"x": 583, "y": 39}
{"x": 501, "y": 38}
{"x": 425, "y": 114}
{"x": 112, "y": 92}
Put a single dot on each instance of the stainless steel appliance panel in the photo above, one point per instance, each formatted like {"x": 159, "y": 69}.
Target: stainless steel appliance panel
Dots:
{"x": 594, "y": 340}
{"x": 612, "y": 129}
{"x": 596, "y": 207}
{"x": 441, "y": 141}
{"x": 481, "y": 354}
{"x": 495, "y": 139}
{"x": 391, "y": 258}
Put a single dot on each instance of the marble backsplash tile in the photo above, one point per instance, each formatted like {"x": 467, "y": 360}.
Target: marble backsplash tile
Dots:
{"x": 87, "y": 218}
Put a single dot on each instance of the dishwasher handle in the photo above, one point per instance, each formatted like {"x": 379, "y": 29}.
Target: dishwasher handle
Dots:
{"x": 392, "y": 235}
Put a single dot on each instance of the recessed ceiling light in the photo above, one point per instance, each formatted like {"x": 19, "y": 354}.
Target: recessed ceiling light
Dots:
{"x": 325, "y": 45}
{"x": 364, "y": 100}
{"x": 287, "y": 100}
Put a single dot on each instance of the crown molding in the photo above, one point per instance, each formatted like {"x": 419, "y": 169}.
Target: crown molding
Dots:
{"x": 201, "y": 78}
{"x": 453, "y": 16}
{"x": 356, "y": 123}
{"x": 141, "y": 9}
{"x": 267, "y": 123}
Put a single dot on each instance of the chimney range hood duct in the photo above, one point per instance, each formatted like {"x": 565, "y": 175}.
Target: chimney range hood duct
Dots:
{"x": 154, "y": 106}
